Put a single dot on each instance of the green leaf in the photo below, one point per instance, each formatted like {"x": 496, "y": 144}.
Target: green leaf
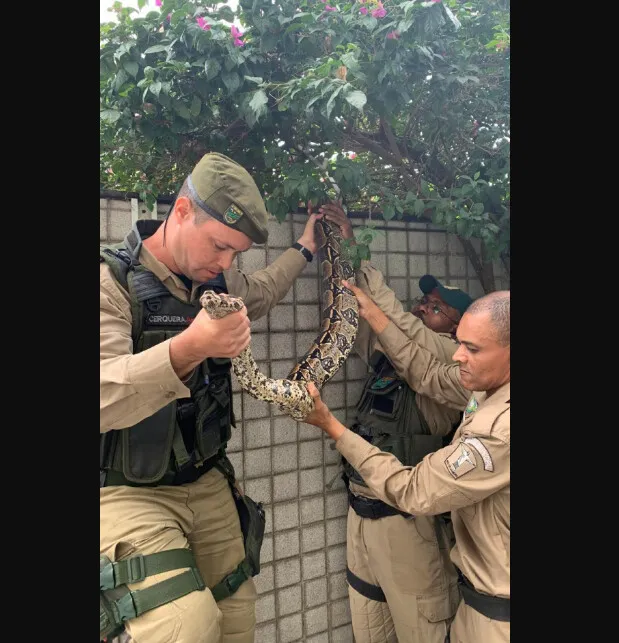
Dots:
{"x": 212, "y": 68}
{"x": 258, "y": 102}
{"x": 182, "y": 111}
{"x": 388, "y": 212}
{"x": 357, "y": 99}
{"x": 132, "y": 67}
{"x": 331, "y": 101}
{"x": 451, "y": 16}
{"x": 363, "y": 252}
{"x": 110, "y": 115}
{"x": 120, "y": 80}
{"x": 196, "y": 105}
{"x": 420, "y": 206}
{"x": 225, "y": 13}
{"x": 156, "y": 49}
{"x": 231, "y": 80}
{"x": 155, "y": 88}
{"x": 476, "y": 176}
{"x": 141, "y": 4}
{"x": 404, "y": 25}
{"x": 254, "y": 79}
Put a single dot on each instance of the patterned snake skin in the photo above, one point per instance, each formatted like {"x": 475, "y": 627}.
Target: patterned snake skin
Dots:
{"x": 340, "y": 320}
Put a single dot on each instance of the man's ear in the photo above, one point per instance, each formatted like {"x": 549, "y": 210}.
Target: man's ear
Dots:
{"x": 182, "y": 209}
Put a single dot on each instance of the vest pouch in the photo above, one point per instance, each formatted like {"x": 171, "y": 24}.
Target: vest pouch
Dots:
{"x": 383, "y": 398}
{"x": 213, "y": 423}
{"x": 146, "y": 446}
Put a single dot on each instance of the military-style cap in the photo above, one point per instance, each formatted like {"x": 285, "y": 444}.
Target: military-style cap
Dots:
{"x": 226, "y": 191}
{"x": 452, "y": 296}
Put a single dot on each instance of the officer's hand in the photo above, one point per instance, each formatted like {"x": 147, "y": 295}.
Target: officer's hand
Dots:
{"x": 321, "y": 415}
{"x": 308, "y": 238}
{"x": 206, "y": 337}
{"x": 226, "y": 337}
{"x": 368, "y": 310}
{"x": 334, "y": 213}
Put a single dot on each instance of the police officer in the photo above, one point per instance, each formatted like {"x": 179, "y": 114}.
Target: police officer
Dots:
{"x": 171, "y": 518}
{"x": 471, "y": 476}
{"x": 401, "y": 581}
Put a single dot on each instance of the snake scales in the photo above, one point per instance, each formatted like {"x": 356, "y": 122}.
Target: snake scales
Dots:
{"x": 335, "y": 340}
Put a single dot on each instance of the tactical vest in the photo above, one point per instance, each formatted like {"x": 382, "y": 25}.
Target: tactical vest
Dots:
{"x": 388, "y": 417}
{"x": 186, "y": 437}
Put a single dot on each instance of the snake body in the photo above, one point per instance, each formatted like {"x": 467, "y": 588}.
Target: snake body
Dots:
{"x": 340, "y": 320}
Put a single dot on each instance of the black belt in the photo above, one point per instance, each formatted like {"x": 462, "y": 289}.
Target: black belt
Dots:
{"x": 171, "y": 478}
{"x": 373, "y": 592}
{"x": 372, "y": 508}
{"x": 493, "y": 607}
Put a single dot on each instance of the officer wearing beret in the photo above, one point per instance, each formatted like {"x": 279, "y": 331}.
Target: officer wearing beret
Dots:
{"x": 179, "y": 542}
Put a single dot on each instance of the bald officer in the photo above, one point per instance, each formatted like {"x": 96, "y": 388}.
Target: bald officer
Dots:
{"x": 470, "y": 477}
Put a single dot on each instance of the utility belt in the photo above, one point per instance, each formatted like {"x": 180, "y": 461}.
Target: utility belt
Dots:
{"x": 118, "y": 603}
{"x": 373, "y": 508}
{"x": 184, "y": 475}
{"x": 493, "y": 607}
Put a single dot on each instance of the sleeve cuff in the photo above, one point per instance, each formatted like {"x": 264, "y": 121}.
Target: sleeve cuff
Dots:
{"x": 152, "y": 370}
{"x": 295, "y": 259}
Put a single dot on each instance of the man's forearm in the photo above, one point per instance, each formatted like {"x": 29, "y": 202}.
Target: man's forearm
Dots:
{"x": 183, "y": 355}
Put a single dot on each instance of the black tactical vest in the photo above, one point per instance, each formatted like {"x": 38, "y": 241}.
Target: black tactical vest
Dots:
{"x": 183, "y": 439}
{"x": 388, "y": 417}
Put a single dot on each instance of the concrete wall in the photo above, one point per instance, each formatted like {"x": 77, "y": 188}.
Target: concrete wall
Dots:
{"x": 286, "y": 464}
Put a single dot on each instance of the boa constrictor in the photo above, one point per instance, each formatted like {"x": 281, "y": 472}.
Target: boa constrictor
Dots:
{"x": 340, "y": 320}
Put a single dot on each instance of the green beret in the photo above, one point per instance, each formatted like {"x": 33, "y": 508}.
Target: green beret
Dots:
{"x": 226, "y": 191}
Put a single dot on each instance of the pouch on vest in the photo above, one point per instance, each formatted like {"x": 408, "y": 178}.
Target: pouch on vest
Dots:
{"x": 214, "y": 422}
{"x": 389, "y": 418}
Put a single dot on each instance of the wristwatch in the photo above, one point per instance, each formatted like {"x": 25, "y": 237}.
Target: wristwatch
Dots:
{"x": 304, "y": 251}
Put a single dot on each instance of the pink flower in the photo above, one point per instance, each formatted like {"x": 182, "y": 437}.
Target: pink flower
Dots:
{"x": 203, "y": 24}
{"x": 158, "y": 2}
{"x": 435, "y": 1}
{"x": 380, "y": 12}
{"x": 364, "y": 11}
{"x": 352, "y": 155}
{"x": 393, "y": 35}
{"x": 236, "y": 36}
{"x": 328, "y": 8}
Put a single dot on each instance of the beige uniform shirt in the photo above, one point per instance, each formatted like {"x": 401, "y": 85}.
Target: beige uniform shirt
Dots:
{"x": 440, "y": 418}
{"x": 133, "y": 387}
{"x": 470, "y": 477}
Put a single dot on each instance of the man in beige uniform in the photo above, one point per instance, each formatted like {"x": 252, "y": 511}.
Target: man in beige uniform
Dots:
{"x": 162, "y": 488}
{"x": 402, "y": 584}
{"x": 470, "y": 477}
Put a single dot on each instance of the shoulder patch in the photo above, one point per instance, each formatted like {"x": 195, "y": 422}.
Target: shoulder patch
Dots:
{"x": 461, "y": 461}
{"x": 483, "y": 452}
